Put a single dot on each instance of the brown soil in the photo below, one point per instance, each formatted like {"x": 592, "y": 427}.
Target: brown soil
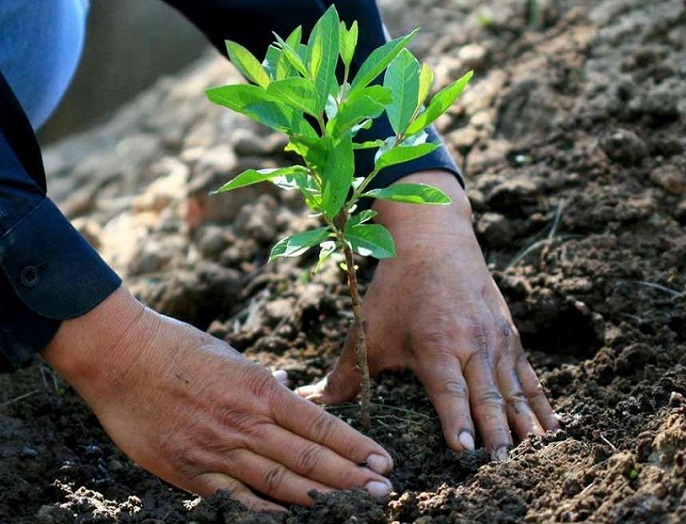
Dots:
{"x": 573, "y": 140}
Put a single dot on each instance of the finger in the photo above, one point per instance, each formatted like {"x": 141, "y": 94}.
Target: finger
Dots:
{"x": 314, "y": 424}
{"x": 273, "y": 479}
{"x": 342, "y": 383}
{"x": 316, "y": 462}
{"x": 449, "y": 395}
{"x": 487, "y": 403}
{"x": 281, "y": 377}
{"x": 280, "y": 483}
{"x": 536, "y": 395}
{"x": 522, "y": 418}
{"x": 208, "y": 484}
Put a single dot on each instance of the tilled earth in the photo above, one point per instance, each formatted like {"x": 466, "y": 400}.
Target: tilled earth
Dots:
{"x": 572, "y": 137}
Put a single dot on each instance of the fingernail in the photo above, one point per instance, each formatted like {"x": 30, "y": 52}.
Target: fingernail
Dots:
{"x": 466, "y": 440}
{"x": 378, "y": 463}
{"x": 305, "y": 391}
{"x": 279, "y": 374}
{"x": 502, "y": 453}
{"x": 378, "y": 489}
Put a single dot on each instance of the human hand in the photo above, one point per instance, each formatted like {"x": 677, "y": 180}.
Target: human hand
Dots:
{"x": 436, "y": 310}
{"x": 195, "y": 412}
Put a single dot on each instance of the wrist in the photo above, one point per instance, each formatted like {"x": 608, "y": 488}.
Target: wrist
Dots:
{"x": 89, "y": 351}
{"x": 454, "y": 218}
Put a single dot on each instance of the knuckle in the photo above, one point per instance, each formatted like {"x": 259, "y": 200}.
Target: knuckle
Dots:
{"x": 173, "y": 451}
{"x": 322, "y": 427}
{"x": 442, "y": 341}
{"x": 242, "y": 422}
{"x": 186, "y": 461}
{"x": 507, "y": 337}
{"x": 274, "y": 479}
{"x": 478, "y": 335}
{"x": 453, "y": 387}
{"x": 491, "y": 398}
{"x": 178, "y": 445}
{"x": 507, "y": 330}
{"x": 308, "y": 460}
{"x": 261, "y": 386}
{"x": 516, "y": 397}
{"x": 535, "y": 391}
{"x": 501, "y": 436}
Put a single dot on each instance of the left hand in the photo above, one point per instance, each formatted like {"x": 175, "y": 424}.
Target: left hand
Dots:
{"x": 436, "y": 310}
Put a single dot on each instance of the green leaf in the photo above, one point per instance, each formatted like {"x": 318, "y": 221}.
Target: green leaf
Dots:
{"x": 371, "y": 144}
{"x": 362, "y": 104}
{"x": 361, "y": 218}
{"x": 354, "y": 112}
{"x": 379, "y": 59}
{"x": 327, "y": 249}
{"x": 306, "y": 184}
{"x": 371, "y": 240}
{"x": 331, "y": 108}
{"x": 300, "y": 180}
{"x": 252, "y": 176}
{"x": 271, "y": 60}
{"x": 247, "y": 64}
{"x": 426, "y": 82}
{"x": 365, "y": 124}
{"x": 401, "y": 154}
{"x": 284, "y": 68}
{"x": 380, "y": 94}
{"x": 337, "y": 177}
{"x": 296, "y": 245}
{"x": 277, "y": 64}
{"x": 440, "y": 103}
{"x": 255, "y": 102}
{"x": 348, "y": 42}
{"x": 322, "y": 55}
{"x": 402, "y": 77}
{"x": 414, "y": 140}
{"x": 315, "y": 150}
{"x": 292, "y": 55}
{"x": 299, "y": 93}
{"x": 295, "y": 38}
{"x": 410, "y": 194}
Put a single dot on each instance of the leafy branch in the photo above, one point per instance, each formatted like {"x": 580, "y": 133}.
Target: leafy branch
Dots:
{"x": 296, "y": 90}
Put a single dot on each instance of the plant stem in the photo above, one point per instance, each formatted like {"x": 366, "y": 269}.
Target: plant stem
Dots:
{"x": 360, "y": 342}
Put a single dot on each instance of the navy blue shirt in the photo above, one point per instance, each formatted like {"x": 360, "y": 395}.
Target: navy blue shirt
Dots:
{"x": 49, "y": 273}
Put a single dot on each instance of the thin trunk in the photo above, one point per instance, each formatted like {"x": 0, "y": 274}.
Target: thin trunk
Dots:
{"x": 361, "y": 342}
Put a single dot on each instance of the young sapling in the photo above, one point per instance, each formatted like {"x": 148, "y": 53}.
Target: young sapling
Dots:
{"x": 296, "y": 90}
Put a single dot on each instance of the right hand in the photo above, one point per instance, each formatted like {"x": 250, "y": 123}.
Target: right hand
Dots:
{"x": 195, "y": 412}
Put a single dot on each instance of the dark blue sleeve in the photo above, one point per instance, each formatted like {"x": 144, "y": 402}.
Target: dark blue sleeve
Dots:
{"x": 48, "y": 272}
{"x": 252, "y": 23}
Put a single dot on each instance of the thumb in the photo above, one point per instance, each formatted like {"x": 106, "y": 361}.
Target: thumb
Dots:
{"x": 342, "y": 383}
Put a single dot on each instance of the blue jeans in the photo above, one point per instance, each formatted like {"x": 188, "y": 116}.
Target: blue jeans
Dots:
{"x": 40, "y": 46}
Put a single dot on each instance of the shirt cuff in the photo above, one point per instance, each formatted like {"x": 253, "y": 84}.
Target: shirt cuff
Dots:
{"x": 49, "y": 273}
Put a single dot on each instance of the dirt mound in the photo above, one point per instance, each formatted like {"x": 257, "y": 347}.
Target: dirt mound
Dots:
{"x": 573, "y": 140}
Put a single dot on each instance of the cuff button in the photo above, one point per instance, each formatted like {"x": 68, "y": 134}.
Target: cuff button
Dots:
{"x": 29, "y": 276}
